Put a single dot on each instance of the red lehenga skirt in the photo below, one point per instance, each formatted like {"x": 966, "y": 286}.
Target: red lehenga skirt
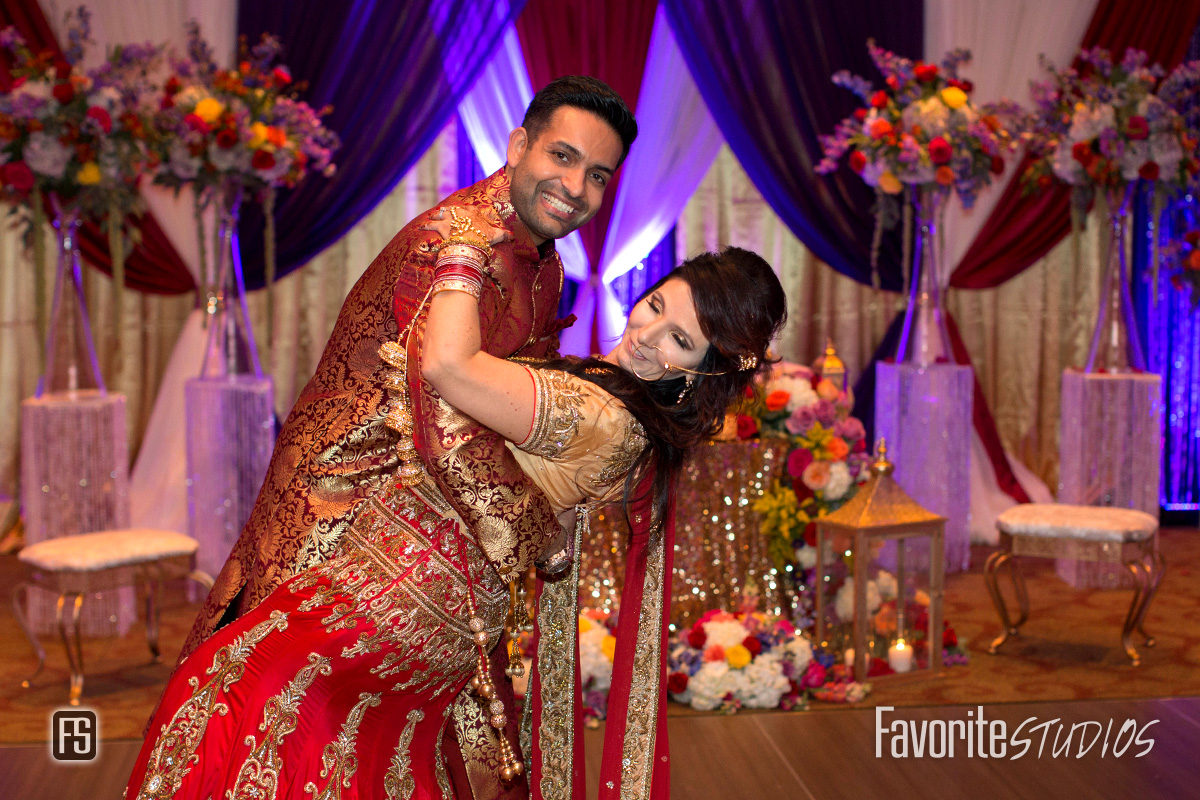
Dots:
{"x": 341, "y": 683}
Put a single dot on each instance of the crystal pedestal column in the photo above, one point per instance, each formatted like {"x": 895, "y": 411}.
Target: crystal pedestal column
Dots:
{"x": 1109, "y": 455}
{"x": 924, "y": 413}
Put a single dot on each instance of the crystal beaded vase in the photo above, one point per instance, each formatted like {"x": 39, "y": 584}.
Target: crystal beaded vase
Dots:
{"x": 1116, "y": 346}
{"x": 71, "y": 364}
{"x": 230, "y": 349}
{"x": 924, "y": 339}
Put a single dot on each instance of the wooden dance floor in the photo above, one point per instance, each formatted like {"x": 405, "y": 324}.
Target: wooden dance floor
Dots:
{"x": 826, "y": 755}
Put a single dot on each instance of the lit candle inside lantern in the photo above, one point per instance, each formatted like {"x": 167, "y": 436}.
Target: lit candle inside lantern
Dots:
{"x": 849, "y": 657}
{"x": 900, "y": 656}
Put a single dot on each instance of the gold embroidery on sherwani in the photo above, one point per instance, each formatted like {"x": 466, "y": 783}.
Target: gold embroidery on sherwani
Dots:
{"x": 557, "y": 413}
{"x": 640, "y": 725}
{"x": 258, "y": 778}
{"x": 478, "y": 744}
{"x": 558, "y": 627}
{"x": 339, "y": 762}
{"x": 439, "y": 766}
{"x": 175, "y": 752}
{"x": 398, "y": 782}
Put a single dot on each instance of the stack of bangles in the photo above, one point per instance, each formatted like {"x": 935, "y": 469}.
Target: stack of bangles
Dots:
{"x": 459, "y": 267}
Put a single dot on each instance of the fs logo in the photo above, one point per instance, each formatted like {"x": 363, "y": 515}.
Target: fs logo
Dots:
{"x": 74, "y": 735}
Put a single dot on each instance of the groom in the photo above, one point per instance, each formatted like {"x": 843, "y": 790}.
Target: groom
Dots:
{"x": 335, "y": 450}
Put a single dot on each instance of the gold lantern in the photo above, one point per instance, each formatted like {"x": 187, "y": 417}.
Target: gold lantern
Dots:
{"x": 830, "y": 366}
{"x": 882, "y": 527}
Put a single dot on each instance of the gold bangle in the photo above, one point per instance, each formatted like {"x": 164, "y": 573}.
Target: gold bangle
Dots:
{"x": 456, "y": 285}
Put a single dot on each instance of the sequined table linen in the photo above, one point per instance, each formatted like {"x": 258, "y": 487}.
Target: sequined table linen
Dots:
{"x": 230, "y": 436}
{"x": 1110, "y": 451}
{"x": 925, "y": 415}
{"x": 75, "y": 479}
{"x": 718, "y": 546}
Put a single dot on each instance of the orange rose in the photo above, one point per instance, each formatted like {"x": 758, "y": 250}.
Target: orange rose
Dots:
{"x": 838, "y": 449}
{"x": 777, "y": 400}
{"x": 944, "y": 176}
{"x": 879, "y": 128}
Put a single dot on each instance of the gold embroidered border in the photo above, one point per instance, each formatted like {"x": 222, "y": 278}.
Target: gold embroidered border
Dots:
{"x": 641, "y": 723}
{"x": 558, "y": 630}
{"x": 339, "y": 762}
{"x": 556, "y": 415}
{"x": 398, "y": 782}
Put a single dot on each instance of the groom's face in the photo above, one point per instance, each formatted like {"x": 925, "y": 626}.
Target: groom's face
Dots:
{"x": 558, "y": 179}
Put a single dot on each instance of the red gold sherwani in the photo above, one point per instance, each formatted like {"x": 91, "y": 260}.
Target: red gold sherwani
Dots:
{"x": 342, "y": 682}
{"x": 335, "y": 450}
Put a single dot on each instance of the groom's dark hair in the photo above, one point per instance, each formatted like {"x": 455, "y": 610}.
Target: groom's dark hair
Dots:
{"x": 588, "y": 94}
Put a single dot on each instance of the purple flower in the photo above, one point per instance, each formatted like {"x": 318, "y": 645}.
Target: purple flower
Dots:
{"x": 850, "y": 429}
{"x": 826, "y": 412}
{"x": 801, "y": 420}
{"x": 10, "y": 39}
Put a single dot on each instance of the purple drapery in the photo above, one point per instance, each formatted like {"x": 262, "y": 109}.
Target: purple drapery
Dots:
{"x": 394, "y": 73}
{"x": 764, "y": 67}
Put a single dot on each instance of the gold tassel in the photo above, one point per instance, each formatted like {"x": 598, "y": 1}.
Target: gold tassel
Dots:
{"x": 39, "y": 270}
{"x": 269, "y": 256}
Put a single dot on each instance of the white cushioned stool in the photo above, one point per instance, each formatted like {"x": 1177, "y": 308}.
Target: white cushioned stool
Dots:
{"x": 1086, "y": 533}
{"x": 75, "y": 566}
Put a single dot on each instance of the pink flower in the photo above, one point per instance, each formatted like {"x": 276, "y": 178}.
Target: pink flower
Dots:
{"x": 17, "y": 175}
{"x": 850, "y": 429}
{"x": 826, "y": 411}
{"x": 102, "y": 117}
{"x": 194, "y": 122}
{"x": 816, "y": 475}
{"x": 798, "y": 461}
{"x": 1137, "y": 128}
{"x": 814, "y": 676}
{"x": 801, "y": 420}
{"x": 940, "y": 151}
{"x": 714, "y": 652}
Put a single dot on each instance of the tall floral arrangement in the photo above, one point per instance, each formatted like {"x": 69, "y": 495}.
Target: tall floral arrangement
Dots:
{"x": 826, "y": 461}
{"x": 921, "y": 132}
{"x": 241, "y": 131}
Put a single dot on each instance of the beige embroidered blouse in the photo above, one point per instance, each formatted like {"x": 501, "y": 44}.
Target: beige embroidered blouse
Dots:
{"x": 582, "y": 442}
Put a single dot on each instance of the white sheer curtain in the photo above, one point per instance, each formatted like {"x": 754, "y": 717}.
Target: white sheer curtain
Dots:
{"x": 1005, "y": 40}
{"x": 677, "y": 142}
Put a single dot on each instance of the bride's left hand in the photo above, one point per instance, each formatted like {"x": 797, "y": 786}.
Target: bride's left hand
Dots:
{"x": 443, "y": 223}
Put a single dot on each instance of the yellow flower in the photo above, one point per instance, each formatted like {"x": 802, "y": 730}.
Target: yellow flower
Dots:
{"x": 209, "y": 109}
{"x": 609, "y": 647}
{"x": 954, "y": 97}
{"x": 890, "y": 184}
{"x": 737, "y": 656}
{"x": 258, "y": 135}
{"x": 585, "y": 624}
{"x": 89, "y": 174}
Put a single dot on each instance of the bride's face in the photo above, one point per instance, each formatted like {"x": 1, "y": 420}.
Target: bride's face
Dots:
{"x": 662, "y": 330}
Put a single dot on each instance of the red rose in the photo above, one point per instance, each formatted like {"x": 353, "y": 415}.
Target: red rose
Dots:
{"x": 752, "y": 644}
{"x": 926, "y": 73}
{"x": 226, "y": 138}
{"x": 172, "y": 86}
{"x": 749, "y": 392}
{"x": 1082, "y": 152}
{"x": 940, "y": 151}
{"x": 814, "y": 676}
{"x": 244, "y": 67}
{"x": 857, "y": 160}
{"x": 17, "y": 175}
{"x": 697, "y": 638}
{"x": 893, "y": 81}
{"x": 810, "y": 534}
{"x": 949, "y": 638}
{"x": 877, "y": 667}
{"x": 966, "y": 86}
{"x": 1137, "y": 128}
{"x": 262, "y": 160}
{"x": 281, "y": 76}
{"x": 1148, "y": 171}
{"x": 997, "y": 166}
{"x": 677, "y": 682}
{"x": 814, "y": 381}
{"x": 798, "y": 461}
{"x": 860, "y": 114}
{"x": 879, "y": 99}
{"x": 747, "y": 426}
{"x": 197, "y": 124}
{"x": 166, "y": 102}
{"x": 102, "y": 117}
{"x": 64, "y": 92}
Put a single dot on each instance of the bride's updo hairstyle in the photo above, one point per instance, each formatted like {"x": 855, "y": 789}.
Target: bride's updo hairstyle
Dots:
{"x": 740, "y": 306}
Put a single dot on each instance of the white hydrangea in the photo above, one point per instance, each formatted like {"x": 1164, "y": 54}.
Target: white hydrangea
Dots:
{"x": 182, "y": 163}
{"x": 806, "y": 557}
{"x": 839, "y": 483}
{"x": 592, "y": 661}
{"x": 726, "y": 634}
{"x": 871, "y": 172}
{"x": 236, "y": 159}
{"x": 709, "y": 685}
{"x": 1088, "y": 123}
{"x": 1065, "y": 166}
{"x": 1165, "y": 149}
{"x": 931, "y": 115}
{"x": 886, "y": 582}
{"x": 844, "y": 601}
{"x": 799, "y": 650}
{"x": 46, "y": 155}
{"x": 800, "y": 391}
{"x": 765, "y": 682}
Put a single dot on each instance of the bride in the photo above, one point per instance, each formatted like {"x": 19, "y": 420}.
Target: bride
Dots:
{"x": 342, "y": 682}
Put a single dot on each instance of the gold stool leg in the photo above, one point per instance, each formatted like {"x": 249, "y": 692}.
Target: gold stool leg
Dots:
{"x": 154, "y": 581}
{"x": 74, "y": 656}
{"x": 1155, "y": 577}
{"x": 994, "y": 562}
{"x": 22, "y": 616}
{"x": 1141, "y": 579}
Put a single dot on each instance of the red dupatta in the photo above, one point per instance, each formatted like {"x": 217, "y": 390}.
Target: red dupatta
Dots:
{"x": 635, "y": 764}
